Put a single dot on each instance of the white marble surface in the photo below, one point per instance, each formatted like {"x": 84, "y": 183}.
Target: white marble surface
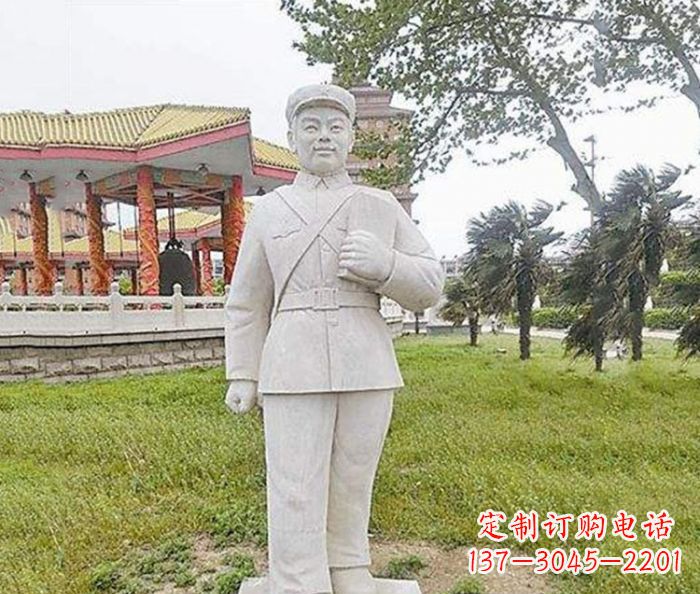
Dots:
{"x": 259, "y": 586}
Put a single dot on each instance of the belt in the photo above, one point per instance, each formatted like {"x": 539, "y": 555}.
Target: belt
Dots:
{"x": 327, "y": 298}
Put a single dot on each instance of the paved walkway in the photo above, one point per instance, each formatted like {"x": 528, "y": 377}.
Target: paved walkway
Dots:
{"x": 559, "y": 334}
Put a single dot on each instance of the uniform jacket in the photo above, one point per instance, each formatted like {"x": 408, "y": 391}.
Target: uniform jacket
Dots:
{"x": 321, "y": 350}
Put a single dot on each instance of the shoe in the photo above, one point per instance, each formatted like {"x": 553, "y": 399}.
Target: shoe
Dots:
{"x": 352, "y": 580}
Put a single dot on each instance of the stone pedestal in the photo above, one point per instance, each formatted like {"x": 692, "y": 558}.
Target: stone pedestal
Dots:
{"x": 259, "y": 586}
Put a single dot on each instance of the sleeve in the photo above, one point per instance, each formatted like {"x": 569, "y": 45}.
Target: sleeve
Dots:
{"x": 248, "y": 306}
{"x": 416, "y": 278}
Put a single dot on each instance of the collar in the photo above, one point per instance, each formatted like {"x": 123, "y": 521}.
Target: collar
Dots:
{"x": 334, "y": 181}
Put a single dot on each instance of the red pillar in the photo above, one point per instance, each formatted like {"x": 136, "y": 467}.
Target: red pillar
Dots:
{"x": 2, "y": 272}
{"x": 43, "y": 269}
{"x": 134, "y": 281}
{"x": 100, "y": 274}
{"x": 232, "y": 222}
{"x": 23, "y": 281}
{"x": 149, "y": 270}
{"x": 197, "y": 271}
{"x": 207, "y": 271}
{"x": 81, "y": 280}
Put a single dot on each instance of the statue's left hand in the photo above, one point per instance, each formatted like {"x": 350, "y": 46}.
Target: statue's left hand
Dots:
{"x": 366, "y": 258}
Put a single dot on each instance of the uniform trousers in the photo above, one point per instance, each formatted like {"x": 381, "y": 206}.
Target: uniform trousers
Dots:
{"x": 322, "y": 452}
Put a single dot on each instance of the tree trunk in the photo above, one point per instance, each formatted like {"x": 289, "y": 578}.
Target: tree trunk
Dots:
{"x": 637, "y": 297}
{"x": 692, "y": 93}
{"x": 599, "y": 351}
{"x": 473, "y": 330}
{"x": 584, "y": 186}
{"x": 525, "y": 299}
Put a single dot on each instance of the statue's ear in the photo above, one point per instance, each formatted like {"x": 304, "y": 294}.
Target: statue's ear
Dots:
{"x": 290, "y": 141}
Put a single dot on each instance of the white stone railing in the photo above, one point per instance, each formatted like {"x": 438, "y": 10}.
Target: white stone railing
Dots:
{"x": 60, "y": 314}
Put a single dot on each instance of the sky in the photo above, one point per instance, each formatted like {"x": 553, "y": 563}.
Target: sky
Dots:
{"x": 85, "y": 55}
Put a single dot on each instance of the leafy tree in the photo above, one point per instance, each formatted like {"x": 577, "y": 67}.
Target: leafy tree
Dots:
{"x": 463, "y": 301}
{"x": 507, "y": 259}
{"x": 589, "y": 281}
{"x": 635, "y": 223}
{"x": 657, "y": 41}
{"x": 477, "y": 70}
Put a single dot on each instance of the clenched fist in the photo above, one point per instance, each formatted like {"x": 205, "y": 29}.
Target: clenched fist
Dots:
{"x": 365, "y": 258}
{"x": 242, "y": 395}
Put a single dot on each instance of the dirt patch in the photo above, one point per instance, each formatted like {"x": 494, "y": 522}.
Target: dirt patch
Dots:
{"x": 443, "y": 568}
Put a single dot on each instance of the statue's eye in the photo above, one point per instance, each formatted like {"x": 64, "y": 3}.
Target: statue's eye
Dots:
{"x": 310, "y": 128}
{"x": 337, "y": 129}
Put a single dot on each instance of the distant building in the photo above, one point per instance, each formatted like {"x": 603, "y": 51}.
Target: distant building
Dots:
{"x": 452, "y": 266}
{"x": 376, "y": 114}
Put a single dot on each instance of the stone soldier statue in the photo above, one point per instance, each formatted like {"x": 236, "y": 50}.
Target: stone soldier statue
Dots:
{"x": 304, "y": 334}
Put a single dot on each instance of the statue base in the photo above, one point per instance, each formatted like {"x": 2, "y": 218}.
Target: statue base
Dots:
{"x": 259, "y": 586}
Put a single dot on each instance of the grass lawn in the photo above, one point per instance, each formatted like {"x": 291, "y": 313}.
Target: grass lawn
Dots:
{"x": 91, "y": 472}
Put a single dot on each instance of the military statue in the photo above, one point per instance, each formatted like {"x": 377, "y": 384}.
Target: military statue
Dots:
{"x": 305, "y": 338}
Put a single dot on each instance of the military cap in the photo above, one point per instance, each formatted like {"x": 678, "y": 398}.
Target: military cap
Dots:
{"x": 324, "y": 94}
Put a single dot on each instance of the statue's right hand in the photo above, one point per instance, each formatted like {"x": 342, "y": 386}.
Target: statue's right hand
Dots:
{"x": 241, "y": 395}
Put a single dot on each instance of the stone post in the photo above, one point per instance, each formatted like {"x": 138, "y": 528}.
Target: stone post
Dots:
{"x": 178, "y": 306}
{"x": 116, "y": 306}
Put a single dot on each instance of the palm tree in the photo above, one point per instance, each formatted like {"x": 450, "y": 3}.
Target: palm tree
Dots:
{"x": 463, "y": 302}
{"x": 635, "y": 223}
{"x": 507, "y": 258}
{"x": 589, "y": 282}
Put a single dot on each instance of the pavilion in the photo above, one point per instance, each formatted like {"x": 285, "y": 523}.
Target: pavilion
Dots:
{"x": 159, "y": 157}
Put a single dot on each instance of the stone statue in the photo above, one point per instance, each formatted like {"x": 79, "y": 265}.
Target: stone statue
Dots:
{"x": 305, "y": 338}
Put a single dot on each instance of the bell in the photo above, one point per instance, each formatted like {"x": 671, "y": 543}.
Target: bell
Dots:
{"x": 175, "y": 267}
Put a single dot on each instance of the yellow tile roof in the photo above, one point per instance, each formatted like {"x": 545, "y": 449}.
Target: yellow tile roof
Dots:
{"x": 5, "y": 226}
{"x": 24, "y": 245}
{"x": 188, "y": 219}
{"x": 131, "y": 128}
{"x": 267, "y": 153}
{"x": 81, "y": 245}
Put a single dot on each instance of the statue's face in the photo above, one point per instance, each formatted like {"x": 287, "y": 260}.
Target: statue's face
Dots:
{"x": 322, "y": 137}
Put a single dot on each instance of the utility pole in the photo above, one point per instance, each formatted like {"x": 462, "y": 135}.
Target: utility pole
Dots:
{"x": 593, "y": 159}
{"x": 591, "y": 164}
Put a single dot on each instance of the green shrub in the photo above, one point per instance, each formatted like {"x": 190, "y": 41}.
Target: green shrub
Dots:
{"x": 184, "y": 578}
{"x": 125, "y": 286}
{"x": 239, "y": 523}
{"x": 218, "y": 286}
{"x": 554, "y": 317}
{"x": 467, "y": 585}
{"x": 242, "y": 567}
{"x": 105, "y": 577}
{"x": 678, "y": 288}
{"x": 666, "y": 318}
{"x": 403, "y": 568}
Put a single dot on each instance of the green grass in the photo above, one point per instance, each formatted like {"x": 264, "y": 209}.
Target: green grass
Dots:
{"x": 403, "y": 568}
{"x": 91, "y": 473}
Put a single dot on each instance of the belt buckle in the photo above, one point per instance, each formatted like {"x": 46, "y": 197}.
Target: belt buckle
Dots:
{"x": 325, "y": 298}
